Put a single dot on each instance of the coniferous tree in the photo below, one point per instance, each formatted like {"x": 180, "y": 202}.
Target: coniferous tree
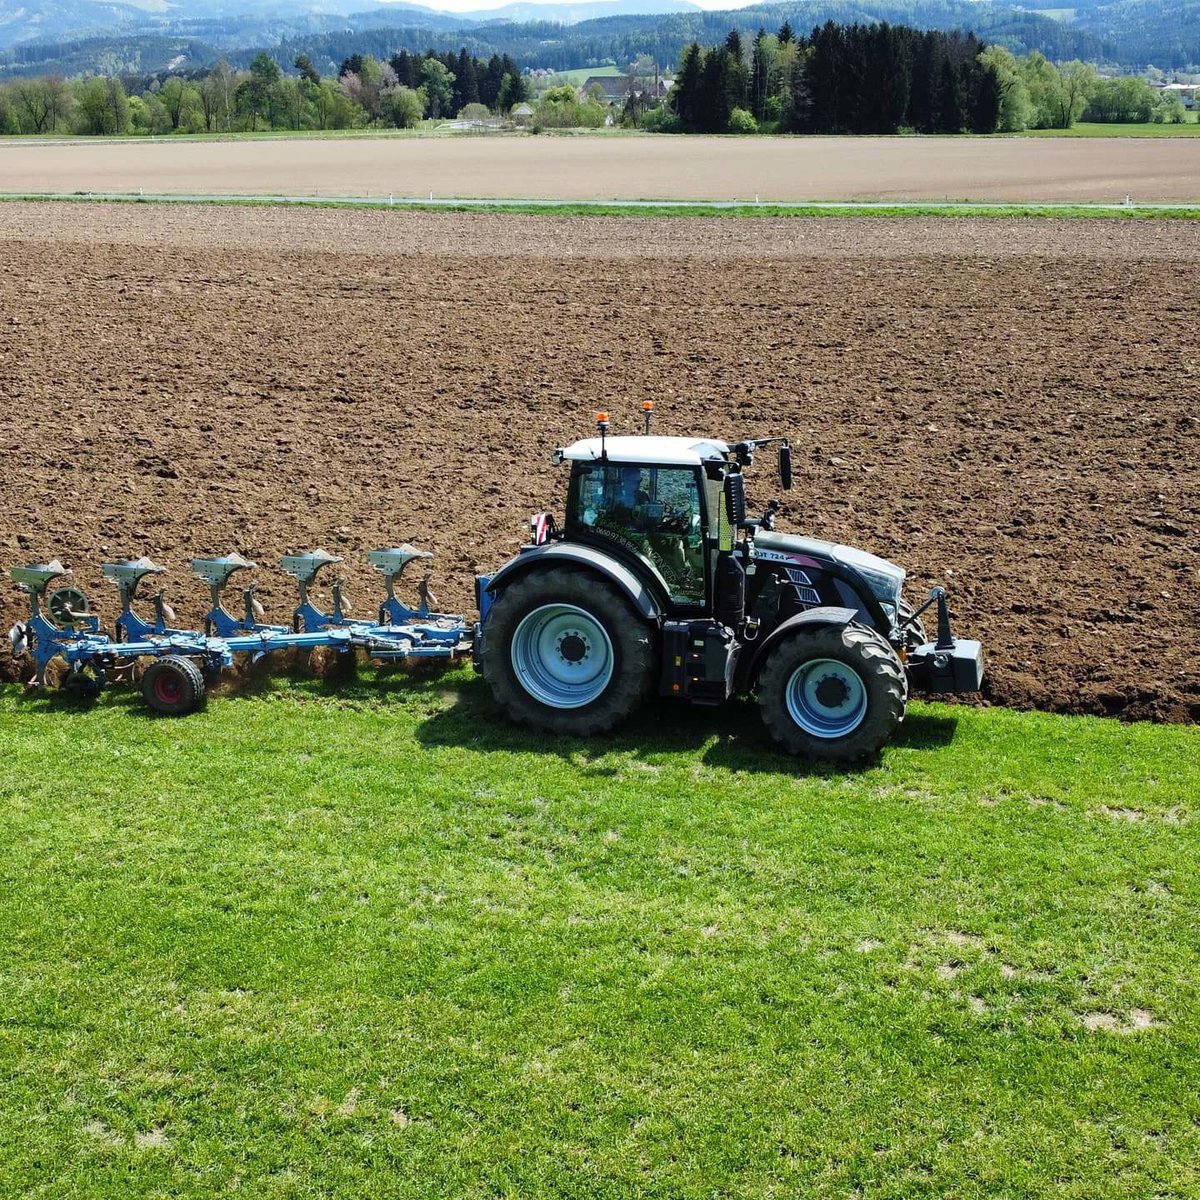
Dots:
{"x": 985, "y": 104}
{"x": 950, "y": 116}
{"x": 490, "y": 81}
{"x": 737, "y": 78}
{"x": 685, "y": 95}
{"x": 467, "y": 78}
{"x": 759, "y": 76}
{"x": 922, "y": 99}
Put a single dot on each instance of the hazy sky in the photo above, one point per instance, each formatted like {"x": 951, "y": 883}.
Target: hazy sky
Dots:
{"x": 476, "y": 5}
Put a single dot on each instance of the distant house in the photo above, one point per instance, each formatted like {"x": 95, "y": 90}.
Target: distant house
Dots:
{"x": 616, "y": 88}
{"x": 1185, "y": 91}
{"x": 522, "y": 113}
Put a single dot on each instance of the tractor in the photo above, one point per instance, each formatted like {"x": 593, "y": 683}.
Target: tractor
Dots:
{"x": 656, "y": 582}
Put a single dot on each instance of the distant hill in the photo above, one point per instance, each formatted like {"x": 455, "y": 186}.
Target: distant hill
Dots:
{"x": 587, "y": 10}
{"x": 622, "y": 38}
{"x": 78, "y": 36}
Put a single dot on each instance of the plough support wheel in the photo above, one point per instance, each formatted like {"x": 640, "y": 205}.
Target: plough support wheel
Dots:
{"x": 173, "y": 686}
{"x": 83, "y": 684}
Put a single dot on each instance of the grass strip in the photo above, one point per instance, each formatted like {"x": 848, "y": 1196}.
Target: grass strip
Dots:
{"x": 645, "y": 209}
{"x": 372, "y": 943}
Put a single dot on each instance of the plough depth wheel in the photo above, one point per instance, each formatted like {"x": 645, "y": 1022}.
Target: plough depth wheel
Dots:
{"x": 173, "y": 686}
{"x": 83, "y": 684}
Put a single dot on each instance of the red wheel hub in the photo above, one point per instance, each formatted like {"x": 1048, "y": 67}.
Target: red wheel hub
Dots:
{"x": 167, "y": 688}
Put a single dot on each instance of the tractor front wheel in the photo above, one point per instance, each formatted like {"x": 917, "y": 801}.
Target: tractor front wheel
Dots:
{"x": 835, "y": 693}
{"x": 173, "y": 686}
{"x": 565, "y": 652}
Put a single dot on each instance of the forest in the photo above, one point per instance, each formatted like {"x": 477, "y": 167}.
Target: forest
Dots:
{"x": 885, "y": 79}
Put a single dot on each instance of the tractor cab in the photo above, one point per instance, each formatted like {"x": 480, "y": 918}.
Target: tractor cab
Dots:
{"x": 655, "y": 501}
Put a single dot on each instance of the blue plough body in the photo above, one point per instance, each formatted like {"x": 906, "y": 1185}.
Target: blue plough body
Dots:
{"x": 60, "y": 626}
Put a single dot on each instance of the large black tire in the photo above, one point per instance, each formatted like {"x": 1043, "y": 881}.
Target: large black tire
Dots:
{"x": 811, "y": 703}
{"x": 630, "y": 644}
{"x": 173, "y": 686}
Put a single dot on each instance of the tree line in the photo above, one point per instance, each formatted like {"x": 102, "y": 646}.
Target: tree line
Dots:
{"x": 881, "y": 78}
{"x": 399, "y": 93}
{"x": 624, "y": 38}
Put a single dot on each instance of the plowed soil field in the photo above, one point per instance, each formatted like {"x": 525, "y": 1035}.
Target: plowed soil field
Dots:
{"x": 620, "y": 167}
{"x": 1011, "y": 409}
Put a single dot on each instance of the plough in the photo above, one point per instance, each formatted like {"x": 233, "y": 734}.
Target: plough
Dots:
{"x": 61, "y": 625}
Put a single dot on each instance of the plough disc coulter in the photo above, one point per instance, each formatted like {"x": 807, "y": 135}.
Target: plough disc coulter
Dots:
{"x": 61, "y": 626}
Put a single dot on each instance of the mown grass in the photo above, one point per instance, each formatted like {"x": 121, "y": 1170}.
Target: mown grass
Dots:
{"x": 372, "y": 943}
{"x": 1091, "y": 129}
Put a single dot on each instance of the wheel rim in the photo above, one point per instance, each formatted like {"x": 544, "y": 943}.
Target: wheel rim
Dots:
{"x": 167, "y": 688}
{"x": 562, "y": 656}
{"x": 826, "y": 698}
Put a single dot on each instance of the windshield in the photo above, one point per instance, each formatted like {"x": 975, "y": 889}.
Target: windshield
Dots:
{"x": 654, "y": 511}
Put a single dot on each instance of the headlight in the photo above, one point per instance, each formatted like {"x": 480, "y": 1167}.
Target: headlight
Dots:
{"x": 885, "y": 579}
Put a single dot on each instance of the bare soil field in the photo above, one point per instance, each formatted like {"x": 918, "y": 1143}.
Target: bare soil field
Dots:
{"x": 622, "y": 168}
{"x": 1008, "y": 408}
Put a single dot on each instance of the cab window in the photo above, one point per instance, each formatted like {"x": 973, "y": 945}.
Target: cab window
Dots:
{"x": 654, "y": 511}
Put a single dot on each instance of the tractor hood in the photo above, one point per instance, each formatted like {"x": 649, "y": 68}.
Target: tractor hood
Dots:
{"x": 885, "y": 579}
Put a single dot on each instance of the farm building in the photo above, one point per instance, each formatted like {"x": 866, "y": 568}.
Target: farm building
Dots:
{"x": 616, "y": 88}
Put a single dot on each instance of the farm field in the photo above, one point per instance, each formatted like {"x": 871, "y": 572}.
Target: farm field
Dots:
{"x": 622, "y": 167}
{"x": 1007, "y": 408}
{"x": 371, "y": 944}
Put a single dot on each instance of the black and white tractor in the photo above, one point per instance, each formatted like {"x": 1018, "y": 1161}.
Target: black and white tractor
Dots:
{"x": 656, "y": 582}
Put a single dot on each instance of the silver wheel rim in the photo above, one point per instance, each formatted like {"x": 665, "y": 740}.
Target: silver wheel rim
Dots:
{"x": 826, "y": 698}
{"x": 562, "y": 656}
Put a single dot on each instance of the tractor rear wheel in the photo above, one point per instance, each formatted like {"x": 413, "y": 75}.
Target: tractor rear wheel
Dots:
{"x": 565, "y": 652}
{"x": 836, "y": 693}
{"x": 173, "y": 686}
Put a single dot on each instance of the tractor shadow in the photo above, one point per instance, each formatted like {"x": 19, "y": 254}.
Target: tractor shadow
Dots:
{"x": 730, "y": 737}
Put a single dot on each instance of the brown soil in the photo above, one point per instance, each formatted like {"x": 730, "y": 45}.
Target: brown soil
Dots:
{"x": 1010, "y": 409}
{"x": 622, "y": 167}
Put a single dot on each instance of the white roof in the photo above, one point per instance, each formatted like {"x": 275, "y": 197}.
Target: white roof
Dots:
{"x": 674, "y": 451}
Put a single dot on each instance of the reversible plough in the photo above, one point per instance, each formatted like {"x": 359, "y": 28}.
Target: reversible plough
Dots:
{"x": 62, "y": 626}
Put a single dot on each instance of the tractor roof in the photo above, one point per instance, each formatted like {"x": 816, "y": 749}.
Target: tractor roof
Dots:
{"x": 672, "y": 451}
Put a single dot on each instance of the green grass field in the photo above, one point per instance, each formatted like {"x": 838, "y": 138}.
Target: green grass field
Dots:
{"x": 371, "y": 943}
{"x": 1086, "y": 129}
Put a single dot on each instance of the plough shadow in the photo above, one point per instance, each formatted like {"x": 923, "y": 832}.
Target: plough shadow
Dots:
{"x": 731, "y": 737}
{"x": 281, "y": 674}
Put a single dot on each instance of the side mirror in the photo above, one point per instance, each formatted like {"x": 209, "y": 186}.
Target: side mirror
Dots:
{"x": 785, "y": 467}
